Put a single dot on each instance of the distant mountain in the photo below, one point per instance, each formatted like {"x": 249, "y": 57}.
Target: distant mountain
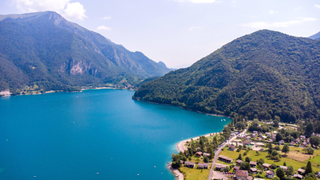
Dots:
{"x": 261, "y": 75}
{"x": 316, "y": 36}
{"x": 46, "y": 50}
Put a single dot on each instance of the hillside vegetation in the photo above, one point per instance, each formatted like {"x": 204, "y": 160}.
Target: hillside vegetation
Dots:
{"x": 45, "y": 50}
{"x": 259, "y": 75}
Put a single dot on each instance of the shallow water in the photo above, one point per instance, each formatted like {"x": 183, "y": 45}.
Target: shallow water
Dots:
{"x": 77, "y": 135}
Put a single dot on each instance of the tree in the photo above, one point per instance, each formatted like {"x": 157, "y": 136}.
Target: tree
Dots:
{"x": 315, "y": 140}
{"x": 275, "y": 178}
{"x": 269, "y": 146}
{"x": 248, "y": 159}
{"x": 308, "y": 150}
{"x": 284, "y": 164}
{"x": 210, "y": 151}
{"x": 308, "y": 168}
{"x": 240, "y": 157}
{"x": 280, "y": 173}
{"x": 260, "y": 161}
{"x": 285, "y": 149}
{"x": 275, "y": 123}
{"x": 206, "y": 159}
{"x": 274, "y": 153}
{"x": 279, "y": 137}
{"x": 245, "y": 166}
{"x": 260, "y": 167}
{"x": 309, "y": 129}
{"x": 257, "y": 152}
{"x": 290, "y": 170}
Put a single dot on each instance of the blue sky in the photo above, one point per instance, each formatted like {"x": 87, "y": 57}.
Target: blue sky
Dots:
{"x": 179, "y": 32}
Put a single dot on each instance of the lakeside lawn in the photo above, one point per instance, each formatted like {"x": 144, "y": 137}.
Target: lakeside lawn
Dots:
{"x": 195, "y": 173}
{"x": 254, "y": 157}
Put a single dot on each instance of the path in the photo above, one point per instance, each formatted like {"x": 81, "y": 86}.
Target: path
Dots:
{"x": 212, "y": 173}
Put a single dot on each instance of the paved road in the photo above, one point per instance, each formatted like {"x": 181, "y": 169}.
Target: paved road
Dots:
{"x": 211, "y": 174}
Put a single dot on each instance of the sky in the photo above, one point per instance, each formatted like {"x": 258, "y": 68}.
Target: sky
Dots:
{"x": 179, "y": 32}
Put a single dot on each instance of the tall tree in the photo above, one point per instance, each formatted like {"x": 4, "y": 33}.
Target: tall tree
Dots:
{"x": 280, "y": 173}
{"x": 308, "y": 168}
{"x": 285, "y": 149}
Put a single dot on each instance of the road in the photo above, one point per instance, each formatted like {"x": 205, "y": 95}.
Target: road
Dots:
{"x": 217, "y": 154}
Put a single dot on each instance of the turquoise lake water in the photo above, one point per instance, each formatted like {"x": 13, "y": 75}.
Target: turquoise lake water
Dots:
{"x": 75, "y": 135}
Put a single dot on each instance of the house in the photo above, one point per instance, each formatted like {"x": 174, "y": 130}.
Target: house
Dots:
{"x": 189, "y": 164}
{"x": 221, "y": 167}
{"x": 198, "y": 154}
{"x": 264, "y": 137}
{"x": 225, "y": 159}
{"x": 302, "y": 137}
{"x": 268, "y": 134}
{"x": 203, "y": 166}
{"x": 253, "y": 170}
{"x": 281, "y": 142}
{"x": 285, "y": 168}
{"x": 270, "y": 140}
{"x": 248, "y": 137}
{"x": 255, "y": 132}
{"x": 318, "y": 174}
{"x": 266, "y": 166}
{"x": 206, "y": 154}
{"x": 298, "y": 176}
{"x": 301, "y": 171}
{"x": 253, "y": 164}
{"x": 242, "y": 175}
{"x": 231, "y": 147}
{"x": 304, "y": 144}
{"x": 236, "y": 168}
{"x": 238, "y": 162}
{"x": 259, "y": 144}
{"x": 292, "y": 143}
{"x": 270, "y": 174}
{"x": 246, "y": 142}
{"x": 273, "y": 137}
{"x": 297, "y": 140}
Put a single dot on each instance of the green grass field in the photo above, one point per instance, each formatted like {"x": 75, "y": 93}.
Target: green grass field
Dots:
{"x": 252, "y": 154}
{"x": 195, "y": 174}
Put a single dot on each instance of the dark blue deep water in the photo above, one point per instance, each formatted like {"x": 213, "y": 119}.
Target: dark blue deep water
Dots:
{"x": 75, "y": 135}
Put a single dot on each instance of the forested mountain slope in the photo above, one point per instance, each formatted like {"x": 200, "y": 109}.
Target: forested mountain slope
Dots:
{"x": 262, "y": 74}
{"x": 46, "y": 50}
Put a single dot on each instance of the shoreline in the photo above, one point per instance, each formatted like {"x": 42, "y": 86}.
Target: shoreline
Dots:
{"x": 180, "y": 146}
{"x": 57, "y": 91}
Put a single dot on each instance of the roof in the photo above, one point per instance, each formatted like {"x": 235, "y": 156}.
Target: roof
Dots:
{"x": 270, "y": 172}
{"x": 246, "y": 142}
{"x": 199, "y": 153}
{"x": 203, "y": 165}
{"x": 206, "y": 154}
{"x": 253, "y": 163}
{"x": 298, "y": 176}
{"x": 242, "y": 173}
{"x": 236, "y": 167}
{"x": 283, "y": 167}
{"x": 239, "y": 161}
{"x": 221, "y": 166}
{"x": 226, "y": 158}
{"x": 301, "y": 170}
{"x": 189, "y": 163}
{"x": 253, "y": 169}
{"x": 266, "y": 165}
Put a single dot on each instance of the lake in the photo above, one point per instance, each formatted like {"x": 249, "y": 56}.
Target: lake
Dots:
{"x": 94, "y": 134}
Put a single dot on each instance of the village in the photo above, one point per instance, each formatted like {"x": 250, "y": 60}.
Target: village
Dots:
{"x": 246, "y": 154}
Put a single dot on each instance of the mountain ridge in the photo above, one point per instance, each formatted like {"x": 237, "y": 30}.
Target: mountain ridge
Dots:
{"x": 259, "y": 75}
{"x": 45, "y": 49}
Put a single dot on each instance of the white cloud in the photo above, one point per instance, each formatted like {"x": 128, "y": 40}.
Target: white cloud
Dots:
{"x": 107, "y": 18}
{"x": 272, "y": 12}
{"x": 284, "y": 24}
{"x": 103, "y": 28}
{"x": 64, "y": 7}
{"x": 75, "y": 11}
{"x": 317, "y": 5}
{"x": 198, "y": 1}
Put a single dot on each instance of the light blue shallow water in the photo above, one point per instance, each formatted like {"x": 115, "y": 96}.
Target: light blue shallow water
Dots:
{"x": 75, "y": 135}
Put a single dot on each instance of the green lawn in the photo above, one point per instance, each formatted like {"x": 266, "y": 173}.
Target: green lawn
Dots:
{"x": 252, "y": 154}
{"x": 195, "y": 174}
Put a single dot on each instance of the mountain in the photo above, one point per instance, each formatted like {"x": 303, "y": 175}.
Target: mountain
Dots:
{"x": 261, "y": 75}
{"x": 315, "y": 36}
{"x": 45, "y": 50}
